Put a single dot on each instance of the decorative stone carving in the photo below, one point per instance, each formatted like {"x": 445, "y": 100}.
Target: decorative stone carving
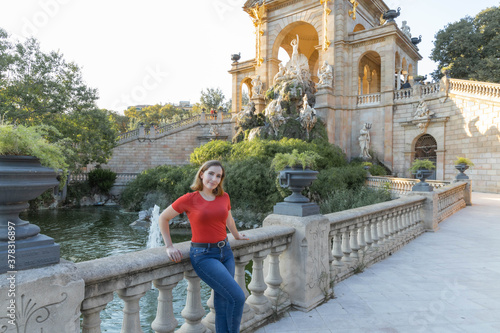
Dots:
{"x": 214, "y": 130}
{"x": 406, "y": 29}
{"x": 325, "y": 75}
{"x": 280, "y": 76}
{"x": 257, "y": 87}
{"x": 352, "y": 12}
{"x": 307, "y": 116}
{"x": 275, "y": 114}
{"x": 364, "y": 141}
{"x": 298, "y": 65}
{"x": 423, "y": 116}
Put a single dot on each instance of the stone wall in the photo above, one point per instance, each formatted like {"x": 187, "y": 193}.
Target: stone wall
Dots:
{"x": 462, "y": 125}
{"x": 173, "y": 147}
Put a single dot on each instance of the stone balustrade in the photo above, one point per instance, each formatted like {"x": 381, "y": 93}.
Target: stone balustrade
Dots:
{"x": 130, "y": 276}
{"x": 370, "y": 99}
{"x": 486, "y": 90}
{"x": 121, "y": 178}
{"x": 417, "y": 92}
{"x": 403, "y": 94}
{"x": 450, "y": 200}
{"x": 360, "y": 237}
{"x": 400, "y": 186}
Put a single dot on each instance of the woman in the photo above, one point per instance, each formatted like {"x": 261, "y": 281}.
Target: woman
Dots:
{"x": 209, "y": 213}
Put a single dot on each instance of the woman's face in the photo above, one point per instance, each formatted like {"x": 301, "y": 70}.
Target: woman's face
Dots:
{"x": 211, "y": 178}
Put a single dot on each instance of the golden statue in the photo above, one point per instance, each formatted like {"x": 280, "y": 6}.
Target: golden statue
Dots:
{"x": 257, "y": 13}
{"x": 353, "y": 11}
{"x": 326, "y": 12}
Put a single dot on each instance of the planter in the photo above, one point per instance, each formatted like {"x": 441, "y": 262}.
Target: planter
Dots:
{"x": 422, "y": 186}
{"x": 22, "y": 178}
{"x": 296, "y": 179}
{"x": 461, "y": 167}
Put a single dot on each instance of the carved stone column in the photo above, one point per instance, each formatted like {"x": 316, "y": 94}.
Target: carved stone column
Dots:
{"x": 193, "y": 312}
{"x": 91, "y": 310}
{"x": 131, "y": 297}
{"x": 257, "y": 300}
{"x": 165, "y": 321}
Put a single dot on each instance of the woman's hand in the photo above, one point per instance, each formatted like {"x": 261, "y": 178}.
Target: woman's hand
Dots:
{"x": 174, "y": 254}
{"x": 241, "y": 236}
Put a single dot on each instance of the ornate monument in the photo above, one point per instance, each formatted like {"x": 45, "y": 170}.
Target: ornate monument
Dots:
{"x": 364, "y": 141}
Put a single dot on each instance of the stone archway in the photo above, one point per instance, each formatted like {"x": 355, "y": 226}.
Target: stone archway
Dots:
{"x": 369, "y": 67}
{"x": 425, "y": 148}
{"x": 308, "y": 41}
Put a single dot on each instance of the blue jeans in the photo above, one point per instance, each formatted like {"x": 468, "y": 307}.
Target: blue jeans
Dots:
{"x": 215, "y": 266}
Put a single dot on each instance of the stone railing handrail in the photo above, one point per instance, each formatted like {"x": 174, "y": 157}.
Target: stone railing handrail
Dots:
{"x": 484, "y": 89}
{"x": 369, "y": 99}
{"x": 121, "y": 178}
{"x": 131, "y": 275}
{"x": 403, "y": 94}
{"x": 400, "y": 186}
{"x": 181, "y": 123}
{"x": 418, "y": 91}
{"x": 364, "y": 235}
{"x": 450, "y": 200}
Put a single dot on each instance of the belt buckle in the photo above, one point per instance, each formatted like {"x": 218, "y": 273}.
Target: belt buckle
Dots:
{"x": 221, "y": 244}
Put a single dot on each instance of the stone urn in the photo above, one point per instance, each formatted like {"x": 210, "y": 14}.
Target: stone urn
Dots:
{"x": 296, "y": 179}
{"x": 391, "y": 14}
{"x": 461, "y": 167}
{"x": 22, "y": 178}
{"x": 235, "y": 57}
{"x": 422, "y": 186}
{"x": 416, "y": 40}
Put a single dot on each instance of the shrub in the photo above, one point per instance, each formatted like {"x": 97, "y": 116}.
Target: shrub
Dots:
{"x": 378, "y": 170}
{"x": 213, "y": 150}
{"x": 463, "y": 160}
{"x": 76, "y": 191}
{"x": 331, "y": 179}
{"x": 173, "y": 181}
{"x": 345, "y": 198}
{"x": 250, "y": 183}
{"x": 101, "y": 180}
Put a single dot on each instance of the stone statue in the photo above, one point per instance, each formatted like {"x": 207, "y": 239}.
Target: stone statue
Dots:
{"x": 406, "y": 29}
{"x": 364, "y": 141}
{"x": 307, "y": 116}
{"x": 325, "y": 75}
{"x": 274, "y": 113}
{"x": 257, "y": 87}
{"x": 214, "y": 130}
{"x": 295, "y": 50}
{"x": 422, "y": 111}
{"x": 280, "y": 76}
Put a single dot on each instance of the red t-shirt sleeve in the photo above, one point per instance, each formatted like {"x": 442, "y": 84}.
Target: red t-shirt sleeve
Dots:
{"x": 182, "y": 204}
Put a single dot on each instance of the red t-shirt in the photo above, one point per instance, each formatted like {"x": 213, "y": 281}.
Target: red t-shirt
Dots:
{"x": 207, "y": 218}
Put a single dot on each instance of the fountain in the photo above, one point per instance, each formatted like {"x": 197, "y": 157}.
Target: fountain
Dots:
{"x": 154, "y": 238}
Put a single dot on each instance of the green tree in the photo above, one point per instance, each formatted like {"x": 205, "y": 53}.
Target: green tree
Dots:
{"x": 470, "y": 48}
{"x": 213, "y": 98}
{"x": 42, "y": 88}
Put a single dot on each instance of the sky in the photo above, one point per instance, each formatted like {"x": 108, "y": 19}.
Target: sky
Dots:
{"x": 165, "y": 51}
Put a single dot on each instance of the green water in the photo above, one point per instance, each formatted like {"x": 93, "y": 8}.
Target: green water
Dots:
{"x": 95, "y": 232}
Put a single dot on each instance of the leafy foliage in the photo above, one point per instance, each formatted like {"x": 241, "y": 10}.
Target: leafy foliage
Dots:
{"x": 349, "y": 198}
{"x": 463, "y": 160}
{"x": 422, "y": 164}
{"x": 306, "y": 159}
{"x": 102, "y": 180}
{"x": 212, "y": 98}
{"x": 470, "y": 48}
{"x": 42, "y": 88}
{"x": 158, "y": 115}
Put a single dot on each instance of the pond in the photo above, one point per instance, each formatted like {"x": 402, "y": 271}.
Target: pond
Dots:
{"x": 96, "y": 232}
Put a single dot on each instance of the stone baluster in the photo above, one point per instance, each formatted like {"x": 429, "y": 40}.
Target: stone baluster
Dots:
{"x": 346, "y": 248}
{"x": 165, "y": 321}
{"x": 209, "y": 320}
{"x": 405, "y": 224}
{"x": 368, "y": 235}
{"x": 331, "y": 259}
{"x": 385, "y": 229}
{"x": 91, "y": 311}
{"x": 273, "y": 278}
{"x": 397, "y": 223}
{"x": 131, "y": 297}
{"x": 239, "y": 276}
{"x": 374, "y": 232}
{"x": 390, "y": 227}
{"x": 361, "y": 238}
{"x": 193, "y": 312}
{"x": 337, "y": 251}
{"x": 259, "y": 303}
{"x": 354, "y": 243}
{"x": 380, "y": 231}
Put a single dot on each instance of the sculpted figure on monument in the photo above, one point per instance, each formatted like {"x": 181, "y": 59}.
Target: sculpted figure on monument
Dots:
{"x": 364, "y": 141}
{"x": 280, "y": 76}
{"x": 406, "y": 29}
{"x": 257, "y": 87}
{"x": 422, "y": 111}
{"x": 307, "y": 116}
{"x": 325, "y": 75}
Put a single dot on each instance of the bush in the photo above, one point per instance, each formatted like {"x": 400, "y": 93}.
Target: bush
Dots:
{"x": 213, "y": 150}
{"x": 331, "y": 179}
{"x": 173, "y": 181}
{"x": 378, "y": 170}
{"x": 101, "y": 180}
{"x": 76, "y": 191}
{"x": 345, "y": 198}
{"x": 250, "y": 183}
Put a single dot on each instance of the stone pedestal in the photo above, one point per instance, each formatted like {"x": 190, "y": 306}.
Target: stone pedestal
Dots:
{"x": 429, "y": 212}
{"x": 296, "y": 209}
{"x": 325, "y": 101}
{"x": 467, "y": 191}
{"x": 305, "y": 263}
{"x": 260, "y": 104}
{"x": 44, "y": 299}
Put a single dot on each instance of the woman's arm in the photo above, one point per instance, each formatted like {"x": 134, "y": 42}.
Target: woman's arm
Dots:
{"x": 232, "y": 227}
{"x": 168, "y": 214}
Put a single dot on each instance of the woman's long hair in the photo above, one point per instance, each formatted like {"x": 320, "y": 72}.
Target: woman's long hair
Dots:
{"x": 198, "y": 182}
